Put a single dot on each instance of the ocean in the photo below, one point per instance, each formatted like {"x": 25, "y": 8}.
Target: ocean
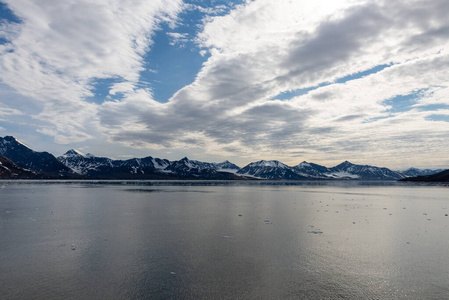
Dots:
{"x": 223, "y": 240}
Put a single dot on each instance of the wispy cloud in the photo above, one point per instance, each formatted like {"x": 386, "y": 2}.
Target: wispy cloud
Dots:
{"x": 178, "y": 38}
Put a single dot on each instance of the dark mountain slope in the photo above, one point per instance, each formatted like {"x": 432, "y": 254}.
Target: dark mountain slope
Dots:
{"x": 9, "y": 170}
{"x": 439, "y": 177}
{"x": 41, "y": 162}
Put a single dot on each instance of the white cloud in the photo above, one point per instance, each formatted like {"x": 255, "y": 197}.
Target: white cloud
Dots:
{"x": 264, "y": 48}
{"x": 178, "y": 38}
{"x": 259, "y": 50}
{"x": 9, "y": 31}
{"x": 7, "y": 111}
{"x": 64, "y": 46}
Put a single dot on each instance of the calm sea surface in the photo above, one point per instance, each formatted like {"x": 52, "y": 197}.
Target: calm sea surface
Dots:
{"x": 223, "y": 240}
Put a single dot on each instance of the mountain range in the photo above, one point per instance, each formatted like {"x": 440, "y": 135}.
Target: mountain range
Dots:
{"x": 74, "y": 164}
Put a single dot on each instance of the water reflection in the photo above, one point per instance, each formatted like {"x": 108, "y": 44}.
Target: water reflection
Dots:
{"x": 224, "y": 241}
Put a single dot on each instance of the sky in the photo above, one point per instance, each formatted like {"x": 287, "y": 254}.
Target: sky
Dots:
{"x": 289, "y": 80}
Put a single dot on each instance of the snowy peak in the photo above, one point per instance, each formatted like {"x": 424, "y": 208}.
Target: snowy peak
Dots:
{"x": 9, "y": 142}
{"x": 22, "y": 155}
{"x": 344, "y": 166}
{"x": 11, "y": 139}
{"x": 227, "y": 166}
{"x": 312, "y": 170}
{"x": 186, "y": 167}
{"x": 269, "y": 164}
{"x": 73, "y": 152}
{"x": 303, "y": 165}
{"x": 363, "y": 172}
{"x": 271, "y": 169}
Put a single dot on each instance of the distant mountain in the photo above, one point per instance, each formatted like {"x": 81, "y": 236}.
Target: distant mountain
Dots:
{"x": 271, "y": 169}
{"x": 102, "y": 167}
{"x": 346, "y": 170}
{"x": 226, "y": 166}
{"x": 414, "y": 172}
{"x": 186, "y": 167}
{"x": 438, "y": 177}
{"x": 145, "y": 168}
{"x": 363, "y": 172}
{"x": 9, "y": 170}
{"x": 22, "y": 155}
{"x": 312, "y": 170}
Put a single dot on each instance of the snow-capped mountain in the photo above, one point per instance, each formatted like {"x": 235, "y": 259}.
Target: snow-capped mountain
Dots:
{"x": 9, "y": 169}
{"x": 346, "y": 170}
{"x": 413, "y": 172}
{"x": 144, "y": 168}
{"x": 363, "y": 172}
{"x": 226, "y": 166}
{"x": 103, "y": 167}
{"x": 22, "y": 155}
{"x": 75, "y": 164}
{"x": 187, "y": 167}
{"x": 269, "y": 169}
{"x": 312, "y": 170}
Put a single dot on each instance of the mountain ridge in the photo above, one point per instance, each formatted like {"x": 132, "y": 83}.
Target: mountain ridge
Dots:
{"x": 75, "y": 164}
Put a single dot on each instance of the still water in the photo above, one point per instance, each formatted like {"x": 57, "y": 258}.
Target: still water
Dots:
{"x": 223, "y": 241}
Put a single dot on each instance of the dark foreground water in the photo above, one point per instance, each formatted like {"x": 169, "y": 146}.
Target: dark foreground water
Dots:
{"x": 224, "y": 241}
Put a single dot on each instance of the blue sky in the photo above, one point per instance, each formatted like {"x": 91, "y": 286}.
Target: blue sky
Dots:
{"x": 321, "y": 81}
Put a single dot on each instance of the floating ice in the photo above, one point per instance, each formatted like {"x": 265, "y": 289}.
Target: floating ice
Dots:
{"x": 227, "y": 237}
{"x": 73, "y": 246}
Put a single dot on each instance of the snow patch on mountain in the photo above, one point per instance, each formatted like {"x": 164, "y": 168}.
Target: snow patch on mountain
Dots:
{"x": 343, "y": 174}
